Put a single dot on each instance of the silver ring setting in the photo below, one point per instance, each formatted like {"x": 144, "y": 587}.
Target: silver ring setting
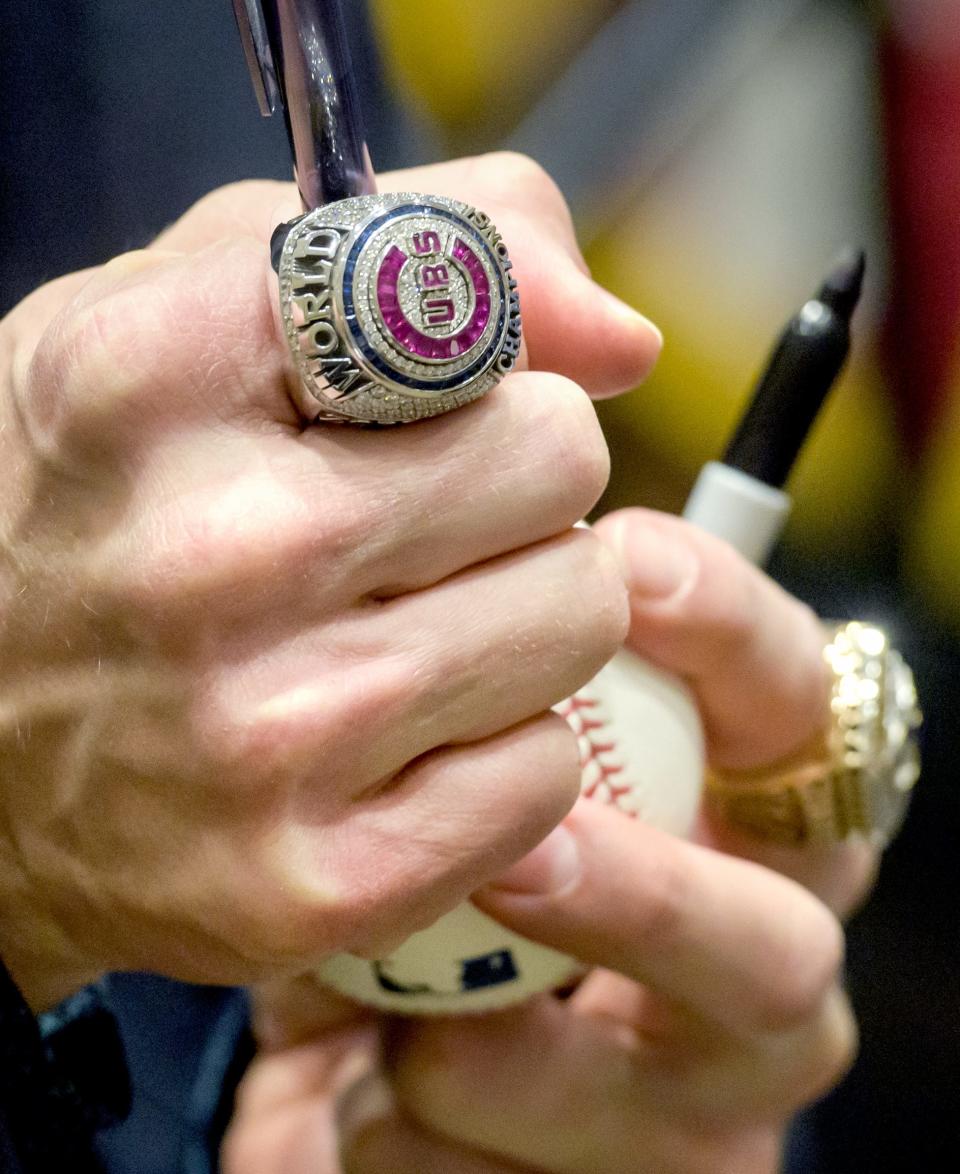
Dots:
{"x": 396, "y": 307}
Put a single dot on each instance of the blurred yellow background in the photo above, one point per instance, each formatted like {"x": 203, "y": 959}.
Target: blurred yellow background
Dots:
{"x": 775, "y": 162}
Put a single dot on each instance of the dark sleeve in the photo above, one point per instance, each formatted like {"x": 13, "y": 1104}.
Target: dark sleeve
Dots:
{"x": 9, "y": 1162}
{"x": 45, "y": 1125}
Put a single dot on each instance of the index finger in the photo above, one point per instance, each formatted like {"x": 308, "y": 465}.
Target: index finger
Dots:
{"x": 738, "y": 945}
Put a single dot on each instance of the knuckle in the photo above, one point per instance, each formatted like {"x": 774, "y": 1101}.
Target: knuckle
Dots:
{"x": 270, "y": 729}
{"x": 96, "y": 370}
{"x": 602, "y": 596}
{"x": 190, "y": 336}
{"x": 560, "y": 750}
{"x": 278, "y": 931}
{"x": 42, "y": 395}
{"x": 218, "y": 553}
{"x": 841, "y": 1048}
{"x": 824, "y": 1055}
{"x": 115, "y": 334}
{"x": 219, "y": 739}
{"x": 246, "y": 749}
{"x": 661, "y": 918}
{"x": 280, "y": 902}
{"x": 243, "y": 746}
{"x": 236, "y": 536}
{"x": 524, "y": 180}
{"x": 381, "y": 908}
{"x": 341, "y": 538}
{"x": 78, "y": 363}
{"x": 807, "y": 974}
{"x": 551, "y": 786}
{"x": 244, "y": 914}
{"x": 571, "y": 439}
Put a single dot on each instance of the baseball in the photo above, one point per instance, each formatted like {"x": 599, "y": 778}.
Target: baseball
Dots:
{"x": 641, "y": 750}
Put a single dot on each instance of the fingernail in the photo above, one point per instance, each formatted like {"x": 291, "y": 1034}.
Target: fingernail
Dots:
{"x": 552, "y": 867}
{"x": 655, "y": 563}
{"x": 624, "y": 310}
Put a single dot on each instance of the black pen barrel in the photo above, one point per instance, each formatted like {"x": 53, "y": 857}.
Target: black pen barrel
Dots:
{"x": 804, "y": 366}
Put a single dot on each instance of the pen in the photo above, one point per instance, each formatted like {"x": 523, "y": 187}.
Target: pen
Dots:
{"x": 299, "y": 62}
{"x": 741, "y": 497}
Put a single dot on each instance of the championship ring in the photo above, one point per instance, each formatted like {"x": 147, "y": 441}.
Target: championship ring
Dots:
{"x": 396, "y": 307}
{"x": 857, "y": 777}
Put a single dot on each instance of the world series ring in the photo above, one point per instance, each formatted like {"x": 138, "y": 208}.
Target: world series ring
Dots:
{"x": 396, "y": 307}
{"x": 857, "y": 776}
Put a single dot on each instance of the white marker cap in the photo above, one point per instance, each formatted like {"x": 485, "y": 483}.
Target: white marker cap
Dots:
{"x": 738, "y": 508}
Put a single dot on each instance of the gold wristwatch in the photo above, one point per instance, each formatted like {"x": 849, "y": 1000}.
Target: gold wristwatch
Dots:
{"x": 856, "y": 779}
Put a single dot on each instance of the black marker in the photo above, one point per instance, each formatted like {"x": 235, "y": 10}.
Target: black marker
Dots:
{"x": 741, "y": 498}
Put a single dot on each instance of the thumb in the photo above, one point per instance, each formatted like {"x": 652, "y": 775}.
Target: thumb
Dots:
{"x": 751, "y": 653}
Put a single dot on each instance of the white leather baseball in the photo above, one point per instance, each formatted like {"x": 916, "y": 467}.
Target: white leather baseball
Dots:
{"x": 641, "y": 749}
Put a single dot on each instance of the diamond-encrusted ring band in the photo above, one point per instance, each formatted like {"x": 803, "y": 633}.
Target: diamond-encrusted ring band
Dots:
{"x": 396, "y": 307}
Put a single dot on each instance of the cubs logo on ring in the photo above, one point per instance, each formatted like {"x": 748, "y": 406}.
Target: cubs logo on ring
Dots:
{"x": 396, "y": 307}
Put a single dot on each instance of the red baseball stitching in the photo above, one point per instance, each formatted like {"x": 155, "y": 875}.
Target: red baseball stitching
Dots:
{"x": 579, "y": 713}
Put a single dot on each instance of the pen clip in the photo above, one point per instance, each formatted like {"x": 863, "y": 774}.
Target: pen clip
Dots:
{"x": 259, "y": 55}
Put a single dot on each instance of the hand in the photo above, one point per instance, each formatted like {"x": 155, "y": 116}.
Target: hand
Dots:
{"x": 753, "y": 657}
{"x": 266, "y": 691}
{"x": 716, "y": 1013}
{"x": 715, "y": 1010}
